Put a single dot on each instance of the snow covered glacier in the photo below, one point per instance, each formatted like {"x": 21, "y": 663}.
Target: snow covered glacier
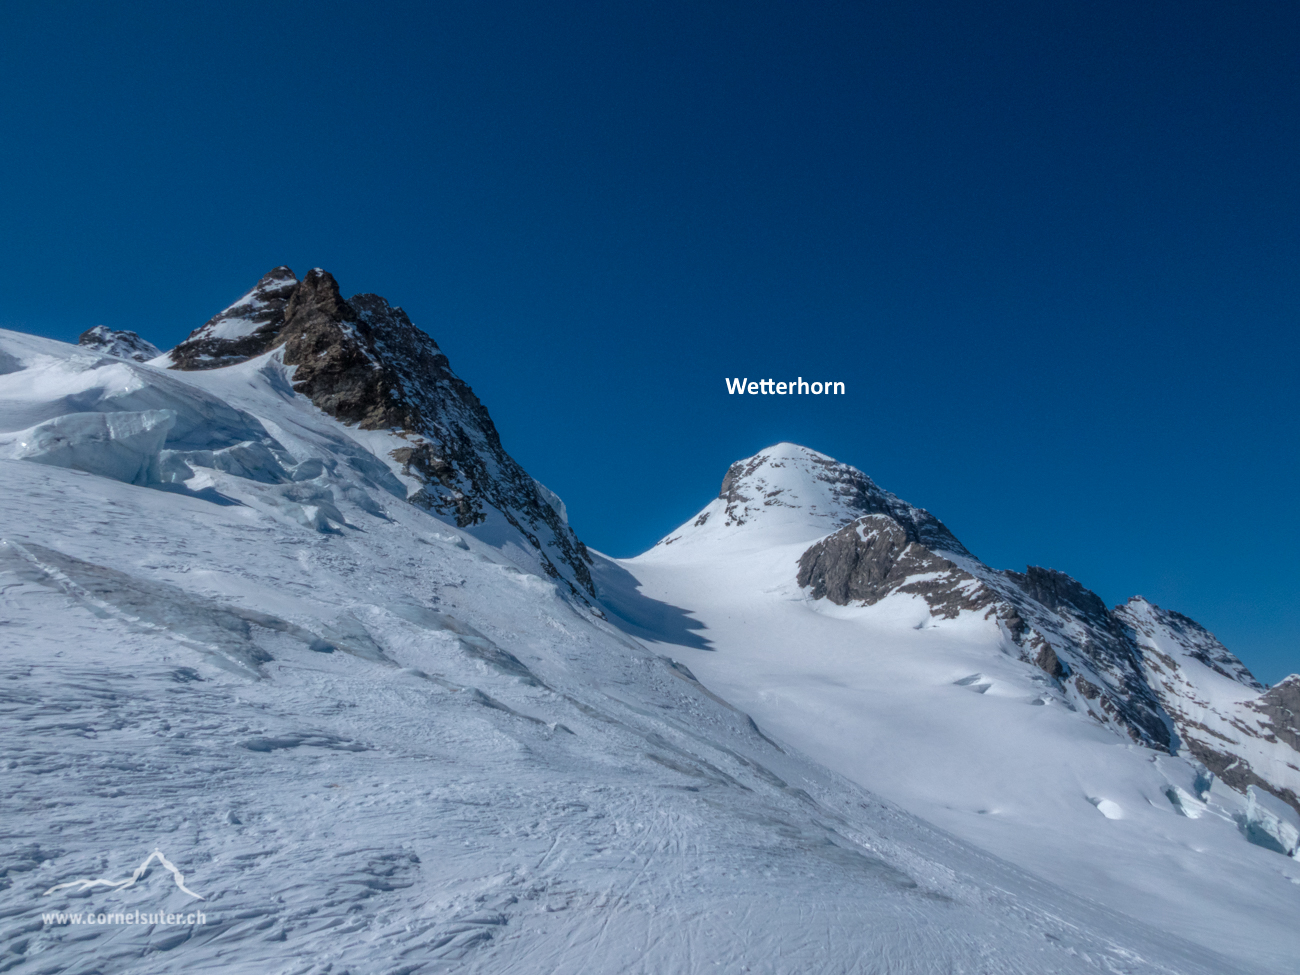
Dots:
{"x": 278, "y": 607}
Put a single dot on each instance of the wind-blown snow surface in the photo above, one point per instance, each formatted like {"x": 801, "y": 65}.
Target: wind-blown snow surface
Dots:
{"x": 372, "y": 743}
{"x": 936, "y": 715}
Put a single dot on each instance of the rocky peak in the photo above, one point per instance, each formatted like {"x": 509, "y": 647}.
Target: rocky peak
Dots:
{"x": 245, "y": 329}
{"x": 315, "y": 299}
{"x": 118, "y": 343}
{"x": 362, "y": 361}
{"x": 332, "y": 351}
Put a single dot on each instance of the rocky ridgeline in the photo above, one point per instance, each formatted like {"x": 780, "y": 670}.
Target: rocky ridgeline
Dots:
{"x": 1151, "y": 674}
{"x": 363, "y": 362}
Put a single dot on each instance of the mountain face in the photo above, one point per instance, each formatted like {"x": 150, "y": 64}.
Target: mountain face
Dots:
{"x": 367, "y": 739}
{"x": 119, "y": 344}
{"x": 262, "y": 714}
{"x": 363, "y": 362}
{"x": 1154, "y": 676}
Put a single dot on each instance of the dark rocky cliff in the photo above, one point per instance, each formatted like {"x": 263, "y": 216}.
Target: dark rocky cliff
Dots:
{"x": 363, "y": 362}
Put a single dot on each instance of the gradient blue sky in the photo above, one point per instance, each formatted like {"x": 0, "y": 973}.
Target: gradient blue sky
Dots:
{"x": 1053, "y": 249}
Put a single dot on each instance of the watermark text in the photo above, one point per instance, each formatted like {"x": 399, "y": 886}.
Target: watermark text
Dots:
{"x": 125, "y": 917}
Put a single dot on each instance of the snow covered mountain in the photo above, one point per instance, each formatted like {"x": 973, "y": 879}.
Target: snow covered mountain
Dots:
{"x": 1014, "y": 709}
{"x": 278, "y": 607}
{"x": 1153, "y": 675}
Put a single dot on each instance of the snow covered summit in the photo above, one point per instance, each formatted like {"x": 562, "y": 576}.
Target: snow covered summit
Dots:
{"x": 118, "y": 343}
{"x": 789, "y": 492}
{"x": 246, "y": 328}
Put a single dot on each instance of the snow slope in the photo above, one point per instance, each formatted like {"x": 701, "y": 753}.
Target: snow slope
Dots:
{"x": 371, "y": 742}
{"x": 920, "y": 692}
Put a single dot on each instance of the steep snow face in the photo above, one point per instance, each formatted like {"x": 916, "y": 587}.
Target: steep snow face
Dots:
{"x": 119, "y": 344}
{"x": 1183, "y": 640}
{"x": 1014, "y": 709}
{"x": 369, "y": 741}
{"x": 1245, "y": 737}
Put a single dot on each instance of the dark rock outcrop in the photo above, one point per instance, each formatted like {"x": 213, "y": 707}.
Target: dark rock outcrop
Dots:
{"x": 876, "y": 556}
{"x": 248, "y": 328}
{"x": 118, "y": 343}
{"x": 363, "y": 362}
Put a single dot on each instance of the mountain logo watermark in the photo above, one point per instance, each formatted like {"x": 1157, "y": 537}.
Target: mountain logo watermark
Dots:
{"x": 88, "y": 883}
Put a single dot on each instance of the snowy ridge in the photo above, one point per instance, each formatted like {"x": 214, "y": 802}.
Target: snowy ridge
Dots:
{"x": 244, "y": 329}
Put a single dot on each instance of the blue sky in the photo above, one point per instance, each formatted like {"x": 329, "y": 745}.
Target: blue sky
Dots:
{"x": 1052, "y": 249}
